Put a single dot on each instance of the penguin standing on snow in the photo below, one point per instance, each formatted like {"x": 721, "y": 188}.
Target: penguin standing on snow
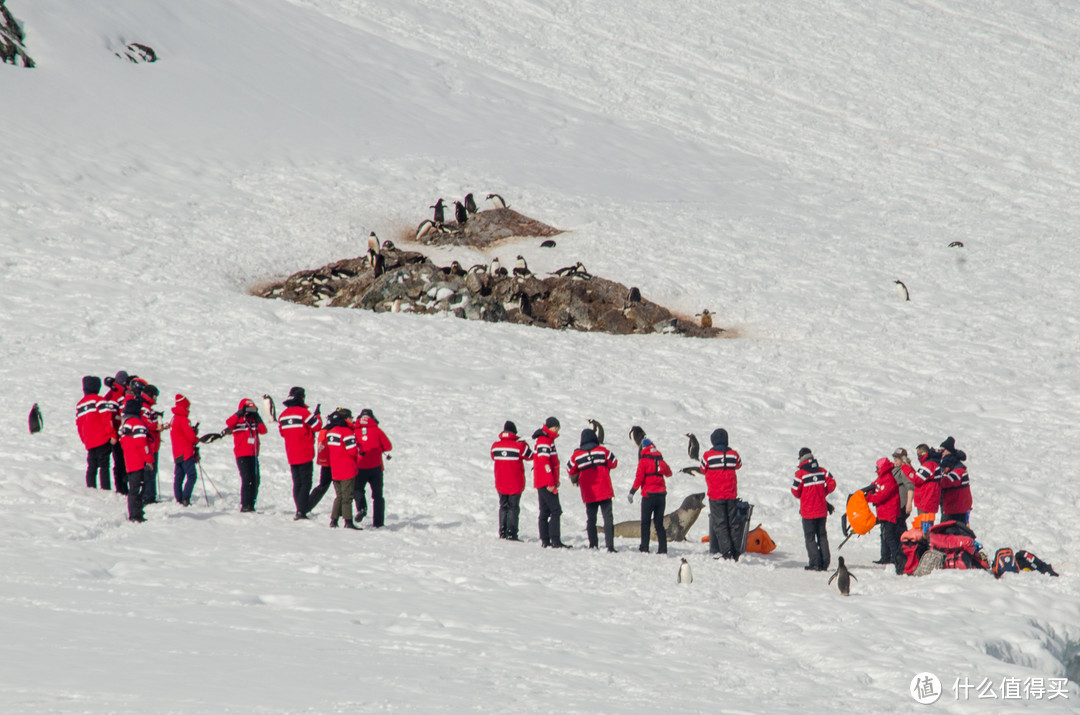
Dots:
{"x": 440, "y": 215}
{"x": 521, "y": 268}
{"x": 902, "y": 290}
{"x": 843, "y": 578}
{"x": 460, "y": 214}
{"x": 685, "y": 575}
{"x": 470, "y": 204}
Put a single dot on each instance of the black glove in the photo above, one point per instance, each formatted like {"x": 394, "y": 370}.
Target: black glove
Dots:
{"x": 318, "y": 409}
{"x": 630, "y": 496}
{"x": 241, "y": 412}
{"x": 830, "y": 507}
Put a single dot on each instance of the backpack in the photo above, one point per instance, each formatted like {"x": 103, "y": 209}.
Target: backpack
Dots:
{"x": 758, "y": 542}
{"x": 1027, "y": 561}
{"x": 859, "y": 519}
{"x": 1004, "y": 562}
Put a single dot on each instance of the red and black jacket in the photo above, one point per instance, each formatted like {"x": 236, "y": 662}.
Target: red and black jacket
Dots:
{"x": 546, "y": 460}
{"x": 955, "y": 486}
{"x": 245, "y": 430}
{"x": 134, "y": 440}
{"x": 342, "y": 451}
{"x": 719, "y": 465}
{"x": 509, "y": 453}
{"x": 372, "y": 442}
{"x": 94, "y": 421}
{"x": 298, "y": 428}
{"x": 651, "y": 470}
{"x": 182, "y": 434}
{"x": 812, "y": 484}
{"x": 886, "y": 495}
{"x": 591, "y": 466}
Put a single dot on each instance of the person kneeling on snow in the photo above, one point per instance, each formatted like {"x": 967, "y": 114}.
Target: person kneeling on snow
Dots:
{"x": 811, "y": 487}
{"x": 886, "y": 496}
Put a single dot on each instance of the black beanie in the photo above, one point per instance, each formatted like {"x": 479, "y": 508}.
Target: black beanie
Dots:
{"x": 133, "y": 407}
{"x": 551, "y": 422}
{"x": 803, "y": 452}
{"x": 949, "y": 444}
{"x": 298, "y": 393}
{"x": 509, "y": 426}
{"x": 719, "y": 438}
{"x": 151, "y": 391}
{"x": 91, "y": 385}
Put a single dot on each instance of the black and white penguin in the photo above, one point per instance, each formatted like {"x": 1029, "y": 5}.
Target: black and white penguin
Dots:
{"x": 478, "y": 268}
{"x": 470, "y": 204}
{"x": 547, "y": 244}
{"x": 498, "y": 201}
{"x": 956, "y": 244}
{"x": 525, "y": 304}
{"x": 440, "y": 212}
{"x": 36, "y": 421}
{"x": 843, "y": 578}
{"x": 460, "y": 214}
{"x": 634, "y": 296}
{"x": 693, "y": 449}
{"x": 456, "y": 269}
{"x": 598, "y": 429}
{"x": 374, "y": 255}
{"x": 902, "y": 290}
{"x": 388, "y": 245}
{"x": 424, "y": 228}
{"x": 270, "y": 407}
{"x": 685, "y": 575}
{"x": 521, "y": 268}
{"x": 575, "y": 271}
{"x": 497, "y": 268}
{"x": 637, "y": 434}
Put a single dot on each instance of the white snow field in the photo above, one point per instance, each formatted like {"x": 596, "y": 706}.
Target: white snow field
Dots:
{"x": 780, "y": 163}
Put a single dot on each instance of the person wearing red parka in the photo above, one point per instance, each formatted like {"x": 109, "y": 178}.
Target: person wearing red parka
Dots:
{"x": 326, "y": 475}
{"x": 811, "y": 487}
{"x": 589, "y": 469}
{"x": 185, "y": 450}
{"x": 719, "y": 464}
{"x": 94, "y": 422}
{"x": 343, "y": 453}
{"x": 885, "y": 494}
{"x": 114, "y": 404}
{"x": 373, "y": 443}
{"x": 651, "y": 471}
{"x": 509, "y": 452}
{"x": 246, "y": 426}
{"x": 546, "y": 483}
{"x": 955, "y": 484}
{"x": 298, "y": 427}
{"x": 927, "y": 481}
{"x": 134, "y": 437}
{"x": 152, "y": 417}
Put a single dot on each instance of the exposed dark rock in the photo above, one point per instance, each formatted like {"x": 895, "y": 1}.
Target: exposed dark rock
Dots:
{"x": 12, "y": 37}
{"x": 483, "y": 229}
{"x": 138, "y": 53}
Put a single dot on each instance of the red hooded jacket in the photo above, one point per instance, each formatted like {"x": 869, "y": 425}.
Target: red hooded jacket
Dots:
{"x": 592, "y": 466}
{"x": 342, "y": 451}
{"x": 651, "y": 470}
{"x": 886, "y": 495}
{"x": 94, "y": 421}
{"x": 134, "y": 440}
{"x": 298, "y": 428}
{"x": 509, "y": 453}
{"x": 153, "y": 425}
{"x": 955, "y": 490}
{"x": 373, "y": 442}
{"x": 183, "y": 437}
{"x": 812, "y": 484}
{"x": 927, "y": 481}
{"x": 719, "y": 467}
{"x": 245, "y": 431}
{"x": 546, "y": 461}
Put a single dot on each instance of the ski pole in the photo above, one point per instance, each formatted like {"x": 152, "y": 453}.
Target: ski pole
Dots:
{"x": 203, "y": 480}
{"x": 203, "y": 473}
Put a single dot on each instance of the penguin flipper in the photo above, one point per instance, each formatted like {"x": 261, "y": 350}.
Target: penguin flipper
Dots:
{"x": 852, "y": 575}
{"x": 833, "y": 578}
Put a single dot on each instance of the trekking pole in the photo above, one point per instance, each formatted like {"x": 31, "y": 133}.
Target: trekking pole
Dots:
{"x": 205, "y": 496}
{"x": 203, "y": 473}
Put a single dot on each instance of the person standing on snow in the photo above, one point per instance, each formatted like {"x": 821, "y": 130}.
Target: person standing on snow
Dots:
{"x": 185, "y": 451}
{"x": 651, "y": 470}
{"x": 811, "y": 487}
{"x": 589, "y": 469}
{"x": 372, "y": 442}
{"x": 546, "y": 483}
{"x": 94, "y": 422}
{"x": 342, "y": 451}
{"x": 114, "y": 403}
{"x": 326, "y": 474}
{"x": 902, "y": 473}
{"x": 246, "y": 425}
{"x": 719, "y": 465}
{"x": 152, "y": 418}
{"x": 927, "y": 481}
{"x": 955, "y": 484}
{"x": 298, "y": 428}
{"x": 886, "y": 496}
{"x": 509, "y": 452}
{"x": 134, "y": 440}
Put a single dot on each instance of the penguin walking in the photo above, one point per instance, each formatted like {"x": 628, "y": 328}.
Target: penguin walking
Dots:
{"x": 460, "y": 214}
{"x": 693, "y": 448}
{"x": 521, "y": 268}
{"x": 843, "y": 578}
{"x": 685, "y": 575}
{"x": 902, "y": 290}
{"x": 36, "y": 421}
{"x": 470, "y": 204}
{"x": 440, "y": 212}
{"x": 498, "y": 201}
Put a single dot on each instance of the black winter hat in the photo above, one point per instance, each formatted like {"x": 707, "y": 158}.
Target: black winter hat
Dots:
{"x": 949, "y": 444}
{"x": 551, "y": 423}
{"x": 91, "y": 385}
{"x": 805, "y": 451}
{"x": 509, "y": 426}
{"x": 298, "y": 393}
{"x": 151, "y": 391}
{"x": 588, "y": 436}
{"x": 121, "y": 378}
{"x": 133, "y": 407}
{"x": 719, "y": 438}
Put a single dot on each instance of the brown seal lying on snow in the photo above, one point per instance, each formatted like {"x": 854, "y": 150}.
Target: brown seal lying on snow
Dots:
{"x": 676, "y": 524}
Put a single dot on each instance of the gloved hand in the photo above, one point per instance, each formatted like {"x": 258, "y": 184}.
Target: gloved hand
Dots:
{"x": 830, "y": 507}
{"x": 630, "y": 496}
{"x": 318, "y": 409}
{"x": 241, "y": 412}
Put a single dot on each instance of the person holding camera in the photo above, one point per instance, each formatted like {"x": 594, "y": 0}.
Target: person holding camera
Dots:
{"x": 246, "y": 425}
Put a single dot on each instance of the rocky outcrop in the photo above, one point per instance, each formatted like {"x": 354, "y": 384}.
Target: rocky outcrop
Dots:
{"x": 409, "y": 282}
{"x": 12, "y": 49}
{"x": 483, "y": 229}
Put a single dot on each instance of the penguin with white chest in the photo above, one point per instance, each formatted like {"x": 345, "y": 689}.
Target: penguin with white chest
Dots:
{"x": 685, "y": 575}
{"x": 843, "y": 578}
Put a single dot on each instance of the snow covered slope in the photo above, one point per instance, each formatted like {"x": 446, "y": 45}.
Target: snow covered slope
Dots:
{"x": 778, "y": 163}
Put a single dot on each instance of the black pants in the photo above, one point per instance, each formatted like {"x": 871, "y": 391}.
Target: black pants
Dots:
{"x": 97, "y": 462}
{"x": 249, "y": 482}
{"x": 134, "y": 497}
{"x": 891, "y": 531}
{"x": 509, "y": 510}
{"x": 817, "y": 542}
{"x": 960, "y": 518}
{"x": 903, "y": 527}
{"x": 301, "y": 485}
{"x": 120, "y": 475}
{"x": 149, "y": 487}
{"x": 652, "y": 510}
{"x": 722, "y": 528}
{"x": 374, "y": 477}
{"x": 590, "y": 524}
{"x": 550, "y": 519}
{"x": 325, "y": 480}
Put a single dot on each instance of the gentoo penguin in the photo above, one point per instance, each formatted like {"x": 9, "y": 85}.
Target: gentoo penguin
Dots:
{"x": 598, "y": 429}
{"x": 424, "y": 228}
{"x": 521, "y": 268}
{"x": 575, "y": 271}
{"x": 526, "y": 305}
{"x": 685, "y": 576}
{"x": 270, "y": 407}
{"x": 956, "y": 244}
{"x": 706, "y": 318}
{"x": 902, "y": 290}
{"x": 547, "y": 244}
{"x": 388, "y": 245}
{"x": 460, "y": 214}
{"x": 456, "y": 269}
{"x": 37, "y": 422}
{"x": 496, "y": 268}
{"x": 843, "y": 578}
{"x": 637, "y": 434}
{"x": 693, "y": 448}
{"x": 470, "y": 204}
{"x": 498, "y": 201}
{"x": 440, "y": 215}
{"x": 375, "y": 256}
{"x": 478, "y": 268}
{"x": 634, "y": 296}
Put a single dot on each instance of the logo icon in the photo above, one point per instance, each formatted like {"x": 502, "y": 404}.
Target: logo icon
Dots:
{"x": 925, "y": 688}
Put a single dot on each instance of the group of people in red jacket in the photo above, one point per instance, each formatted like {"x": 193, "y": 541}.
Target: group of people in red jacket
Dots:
{"x": 939, "y": 484}
{"x": 123, "y": 425}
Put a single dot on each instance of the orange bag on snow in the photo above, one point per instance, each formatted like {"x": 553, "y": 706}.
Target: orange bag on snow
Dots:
{"x": 859, "y": 519}
{"x": 758, "y": 542}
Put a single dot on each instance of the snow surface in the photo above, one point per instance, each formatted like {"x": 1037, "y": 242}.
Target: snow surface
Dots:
{"x": 780, "y": 163}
